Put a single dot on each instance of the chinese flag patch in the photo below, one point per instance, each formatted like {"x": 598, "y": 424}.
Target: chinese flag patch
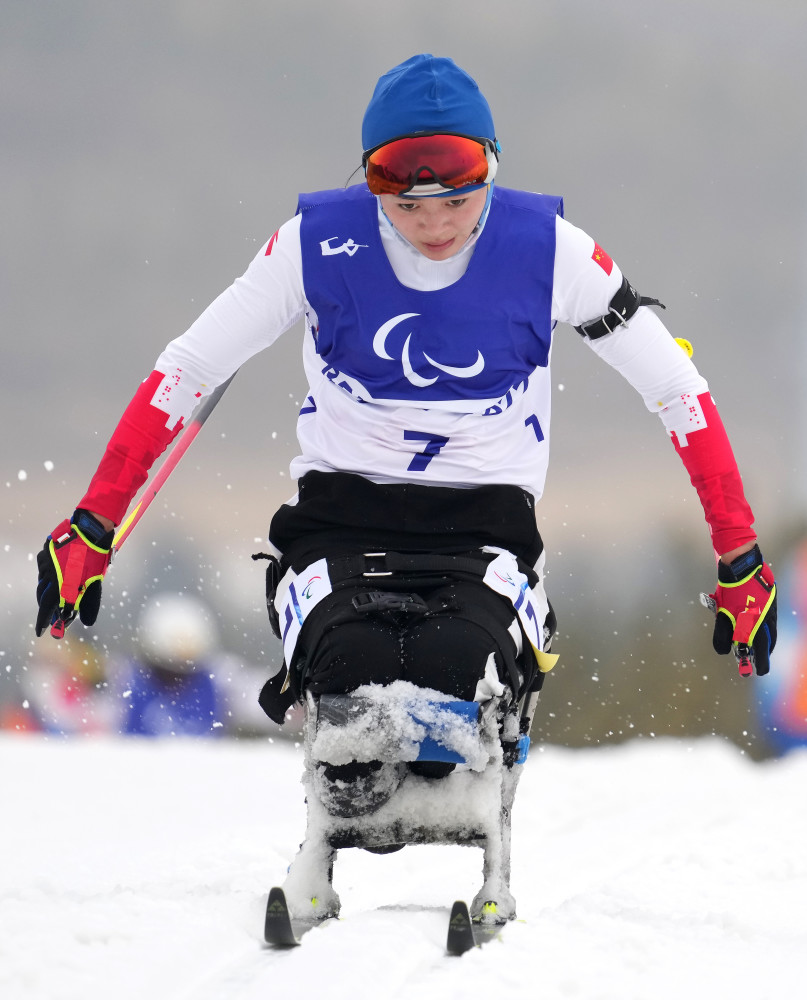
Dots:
{"x": 272, "y": 242}
{"x": 601, "y": 257}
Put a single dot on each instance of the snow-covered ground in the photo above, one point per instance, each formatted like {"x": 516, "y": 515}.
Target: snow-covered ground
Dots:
{"x": 652, "y": 870}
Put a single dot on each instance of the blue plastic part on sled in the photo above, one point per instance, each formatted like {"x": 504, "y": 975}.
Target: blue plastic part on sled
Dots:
{"x": 432, "y": 750}
{"x": 440, "y": 719}
{"x": 430, "y": 747}
{"x": 522, "y": 749}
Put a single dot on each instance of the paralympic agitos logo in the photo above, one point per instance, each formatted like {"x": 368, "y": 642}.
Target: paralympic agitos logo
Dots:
{"x": 380, "y": 349}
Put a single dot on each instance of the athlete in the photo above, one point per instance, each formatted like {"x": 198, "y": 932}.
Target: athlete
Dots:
{"x": 430, "y": 296}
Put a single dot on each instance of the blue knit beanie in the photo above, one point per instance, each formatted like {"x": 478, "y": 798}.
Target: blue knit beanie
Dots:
{"x": 425, "y": 94}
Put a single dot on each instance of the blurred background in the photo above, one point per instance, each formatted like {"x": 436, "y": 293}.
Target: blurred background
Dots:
{"x": 150, "y": 149}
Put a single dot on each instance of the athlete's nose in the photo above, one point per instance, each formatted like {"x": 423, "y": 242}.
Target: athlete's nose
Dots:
{"x": 436, "y": 230}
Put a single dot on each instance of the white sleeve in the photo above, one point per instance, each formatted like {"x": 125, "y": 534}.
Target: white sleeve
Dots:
{"x": 246, "y": 318}
{"x": 643, "y": 350}
{"x": 582, "y": 285}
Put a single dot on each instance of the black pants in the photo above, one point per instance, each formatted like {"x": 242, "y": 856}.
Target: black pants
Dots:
{"x": 446, "y": 649}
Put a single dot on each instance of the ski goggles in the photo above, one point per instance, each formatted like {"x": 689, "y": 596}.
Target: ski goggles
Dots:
{"x": 423, "y": 165}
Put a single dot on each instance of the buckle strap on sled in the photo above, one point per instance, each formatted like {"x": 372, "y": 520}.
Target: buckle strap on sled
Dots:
{"x": 386, "y": 564}
{"x": 407, "y": 605}
{"x": 621, "y": 308}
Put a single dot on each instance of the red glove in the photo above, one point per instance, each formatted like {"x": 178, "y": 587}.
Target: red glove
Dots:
{"x": 72, "y": 565}
{"x": 745, "y": 608}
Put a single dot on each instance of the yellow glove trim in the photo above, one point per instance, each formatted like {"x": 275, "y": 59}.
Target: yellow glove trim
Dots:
{"x": 88, "y": 543}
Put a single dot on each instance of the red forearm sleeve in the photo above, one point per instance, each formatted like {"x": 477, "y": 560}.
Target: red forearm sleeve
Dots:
{"x": 708, "y": 457}
{"x": 142, "y": 435}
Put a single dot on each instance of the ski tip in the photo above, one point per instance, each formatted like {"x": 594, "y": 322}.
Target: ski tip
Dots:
{"x": 281, "y": 928}
{"x": 460, "y": 929}
{"x": 278, "y": 930}
{"x": 276, "y": 905}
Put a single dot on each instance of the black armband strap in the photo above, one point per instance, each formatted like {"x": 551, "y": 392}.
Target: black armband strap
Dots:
{"x": 620, "y": 309}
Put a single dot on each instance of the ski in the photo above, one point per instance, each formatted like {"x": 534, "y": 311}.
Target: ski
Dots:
{"x": 280, "y": 929}
{"x": 283, "y": 931}
{"x": 464, "y": 933}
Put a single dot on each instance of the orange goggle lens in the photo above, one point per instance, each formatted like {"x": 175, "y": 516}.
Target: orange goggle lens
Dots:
{"x": 428, "y": 164}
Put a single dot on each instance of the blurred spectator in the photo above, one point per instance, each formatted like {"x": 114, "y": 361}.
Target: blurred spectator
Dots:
{"x": 178, "y": 682}
{"x": 169, "y": 689}
{"x": 182, "y": 683}
{"x": 63, "y": 691}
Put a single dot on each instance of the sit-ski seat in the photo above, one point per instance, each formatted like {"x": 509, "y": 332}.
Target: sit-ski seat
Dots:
{"x": 400, "y": 727}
